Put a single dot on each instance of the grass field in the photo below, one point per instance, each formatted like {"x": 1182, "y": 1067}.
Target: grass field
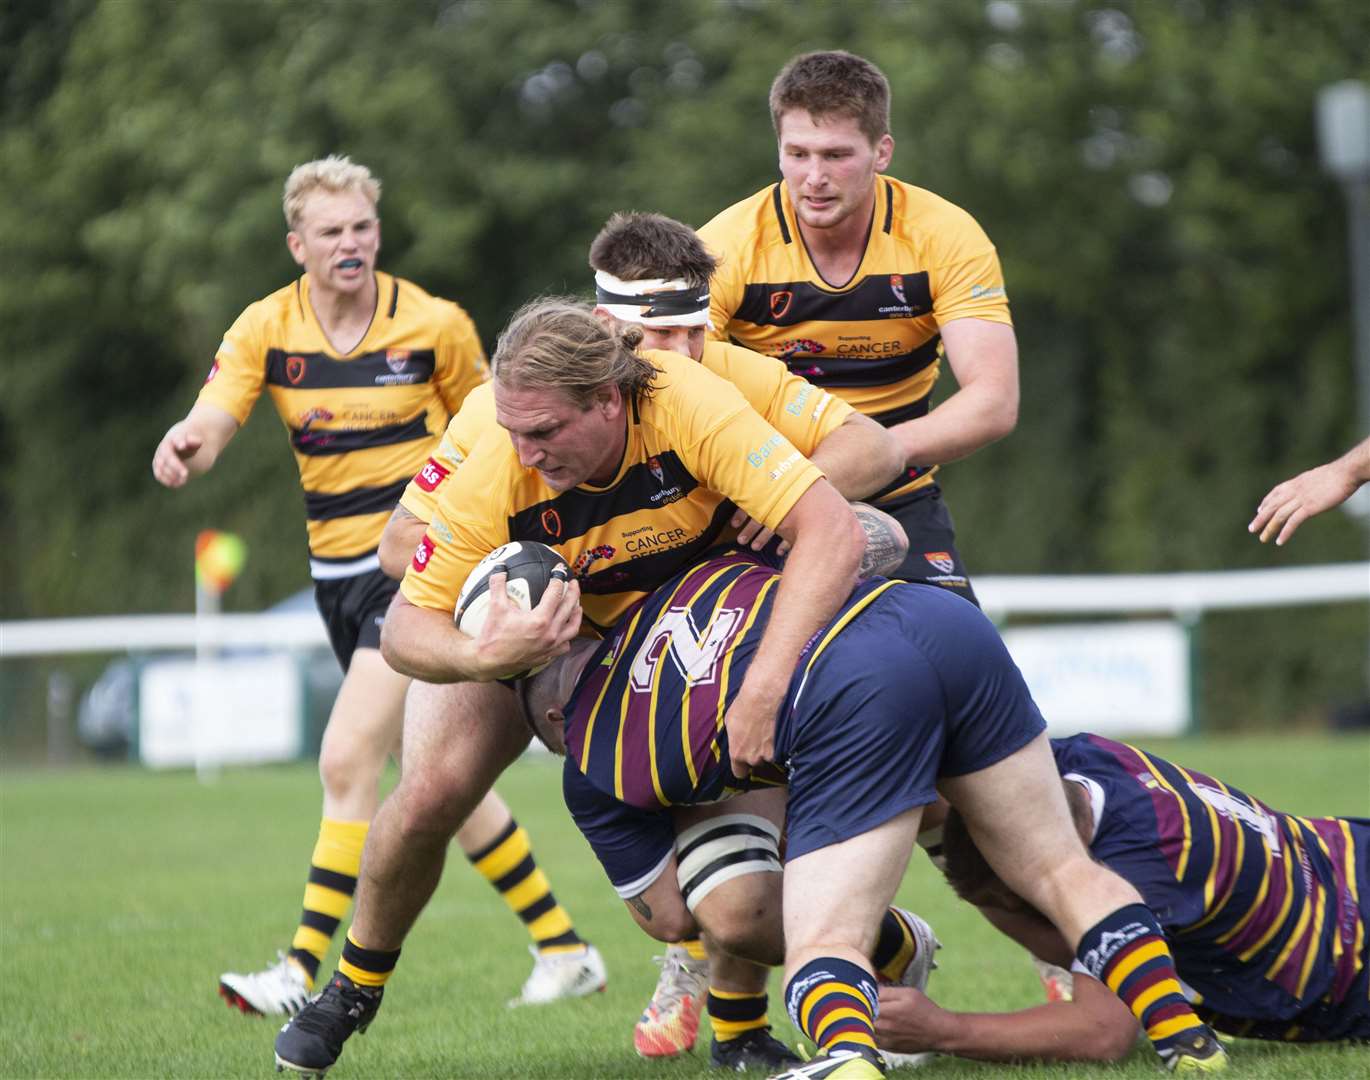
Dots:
{"x": 123, "y": 894}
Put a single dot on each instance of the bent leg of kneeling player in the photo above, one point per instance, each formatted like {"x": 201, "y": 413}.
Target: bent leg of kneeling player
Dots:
{"x": 1016, "y": 812}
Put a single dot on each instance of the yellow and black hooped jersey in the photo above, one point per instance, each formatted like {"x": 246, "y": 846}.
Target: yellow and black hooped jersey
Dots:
{"x": 694, "y": 448}
{"x": 803, "y": 413}
{"x": 874, "y": 341}
{"x": 360, "y": 424}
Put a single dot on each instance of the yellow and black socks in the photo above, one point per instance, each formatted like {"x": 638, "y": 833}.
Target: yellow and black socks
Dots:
{"x": 507, "y": 863}
{"x": 834, "y": 1002}
{"x": 895, "y": 947}
{"x": 1126, "y": 951}
{"x": 332, "y": 881}
{"x": 733, "y": 1014}
{"x": 367, "y": 967}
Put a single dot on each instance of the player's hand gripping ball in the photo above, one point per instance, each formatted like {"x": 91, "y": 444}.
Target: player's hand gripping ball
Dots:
{"x": 531, "y": 568}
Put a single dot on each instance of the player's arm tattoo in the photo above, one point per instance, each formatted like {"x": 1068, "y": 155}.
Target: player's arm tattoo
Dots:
{"x": 886, "y": 544}
{"x": 640, "y": 906}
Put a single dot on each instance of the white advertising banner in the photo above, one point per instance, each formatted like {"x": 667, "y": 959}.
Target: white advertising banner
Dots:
{"x": 232, "y": 711}
{"x": 1112, "y": 678}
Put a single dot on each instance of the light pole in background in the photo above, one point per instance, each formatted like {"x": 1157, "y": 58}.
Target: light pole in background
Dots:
{"x": 1344, "y": 142}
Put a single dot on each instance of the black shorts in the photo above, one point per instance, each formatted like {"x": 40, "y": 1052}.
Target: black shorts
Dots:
{"x": 353, "y": 609}
{"x": 932, "y": 558}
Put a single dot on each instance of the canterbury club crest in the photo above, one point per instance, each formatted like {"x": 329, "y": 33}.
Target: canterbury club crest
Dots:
{"x": 780, "y": 303}
{"x": 897, "y": 287}
{"x": 294, "y": 369}
{"x": 941, "y": 560}
{"x": 396, "y": 359}
{"x": 654, "y": 466}
{"x": 551, "y": 523}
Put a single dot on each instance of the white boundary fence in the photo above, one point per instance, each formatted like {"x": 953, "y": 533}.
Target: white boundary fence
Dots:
{"x": 1184, "y": 596}
{"x": 1087, "y": 669}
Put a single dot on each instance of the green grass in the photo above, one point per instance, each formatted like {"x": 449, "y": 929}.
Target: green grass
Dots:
{"x": 123, "y": 894}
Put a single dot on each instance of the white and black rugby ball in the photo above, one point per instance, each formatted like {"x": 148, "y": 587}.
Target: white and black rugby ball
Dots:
{"x": 531, "y": 568}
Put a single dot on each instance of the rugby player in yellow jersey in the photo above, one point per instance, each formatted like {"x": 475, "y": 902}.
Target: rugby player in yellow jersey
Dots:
{"x": 652, "y": 273}
{"x": 600, "y": 446}
{"x": 862, "y": 284}
{"x": 364, "y": 369}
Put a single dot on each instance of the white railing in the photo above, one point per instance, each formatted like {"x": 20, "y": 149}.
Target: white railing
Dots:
{"x": 1185, "y": 596}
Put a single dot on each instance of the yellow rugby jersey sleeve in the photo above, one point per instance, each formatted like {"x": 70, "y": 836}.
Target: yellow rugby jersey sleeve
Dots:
{"x": 728, "y": 283}
{"x": 239, "y": 370}
{"x": 461, "y": 363}
{"x": 474, "y": 418}
{"x": 470, "y": 520}
{"x": 727, "y": 444}
{"x": 802, "y": 412}
{"x": 964, "y": 275}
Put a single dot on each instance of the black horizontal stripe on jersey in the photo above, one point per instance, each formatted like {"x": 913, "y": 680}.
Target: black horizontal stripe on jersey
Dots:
{"x": 872, "y": 300}
{"x": 643, "y": 573}
{"x": 321, "y": 442}
{"x": 912, "y": 411}
{"x": 319, "y": 371}
{"x": 574, "y": 513}
{"x": 828, "y": 371}
{"x": 908, "y": 476}
{"x": 372, "y": 500}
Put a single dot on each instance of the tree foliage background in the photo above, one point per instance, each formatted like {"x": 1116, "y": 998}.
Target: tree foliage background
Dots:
{"x": 1175, "y": 257}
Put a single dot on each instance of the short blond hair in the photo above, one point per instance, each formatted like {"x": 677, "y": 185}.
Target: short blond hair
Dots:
{"x": 335, "y": 173}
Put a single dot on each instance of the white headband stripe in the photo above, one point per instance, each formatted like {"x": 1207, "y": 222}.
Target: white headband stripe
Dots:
{"x": 632, "y": 313}
{"x": 631, "y": 301}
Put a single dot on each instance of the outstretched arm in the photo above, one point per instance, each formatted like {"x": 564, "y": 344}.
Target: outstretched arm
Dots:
{"x": 1094, "y": 1026}
{"x": 191, "y": 447}
{"x": 1289, "y": 505}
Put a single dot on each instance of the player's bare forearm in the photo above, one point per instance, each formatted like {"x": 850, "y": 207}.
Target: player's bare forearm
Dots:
{"x": 424, "y": 643}
{"x": 402, "y": 535}
{"x": 820, "y": 571}
{"x": 967, "y": 421}
{"x": 191, "y": 447}
{"x": 886, "y": 542}
{"x": 860, "y": 457}
{"x": 1095, "y": 1026}
{"x": 983, "y": 357}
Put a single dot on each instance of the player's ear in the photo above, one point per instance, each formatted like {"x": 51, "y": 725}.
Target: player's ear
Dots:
{"x": 609, "y": 401}
{"x": 553, "y": 731}
{"x": 295, "y": 242}
{"x": 606, "y": 320}
{"x": 884, "y": 151}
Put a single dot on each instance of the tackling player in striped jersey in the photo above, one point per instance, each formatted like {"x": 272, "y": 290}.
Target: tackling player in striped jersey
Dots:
{"x": 905, "y": 691}
{"x": 1266, "y": 914}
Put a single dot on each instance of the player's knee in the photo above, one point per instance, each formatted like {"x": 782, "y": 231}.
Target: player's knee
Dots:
{"x": 344, "y": 768}
{"x": 728, "y": 869}
{"x": 435, "y": 801}
{"x": 748, "y": 926}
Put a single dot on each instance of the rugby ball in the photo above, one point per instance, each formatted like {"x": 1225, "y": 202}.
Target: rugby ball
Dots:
{"x": 531, "y": 569}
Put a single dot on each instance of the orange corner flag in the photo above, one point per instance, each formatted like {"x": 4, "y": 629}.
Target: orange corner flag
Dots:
{"x": 219, "y": 558}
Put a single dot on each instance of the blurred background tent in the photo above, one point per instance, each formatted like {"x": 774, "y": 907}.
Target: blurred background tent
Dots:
{"x": 1176, "y": 258}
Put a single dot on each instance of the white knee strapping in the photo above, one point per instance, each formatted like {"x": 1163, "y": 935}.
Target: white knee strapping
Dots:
{"x": 722, "y": 848}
